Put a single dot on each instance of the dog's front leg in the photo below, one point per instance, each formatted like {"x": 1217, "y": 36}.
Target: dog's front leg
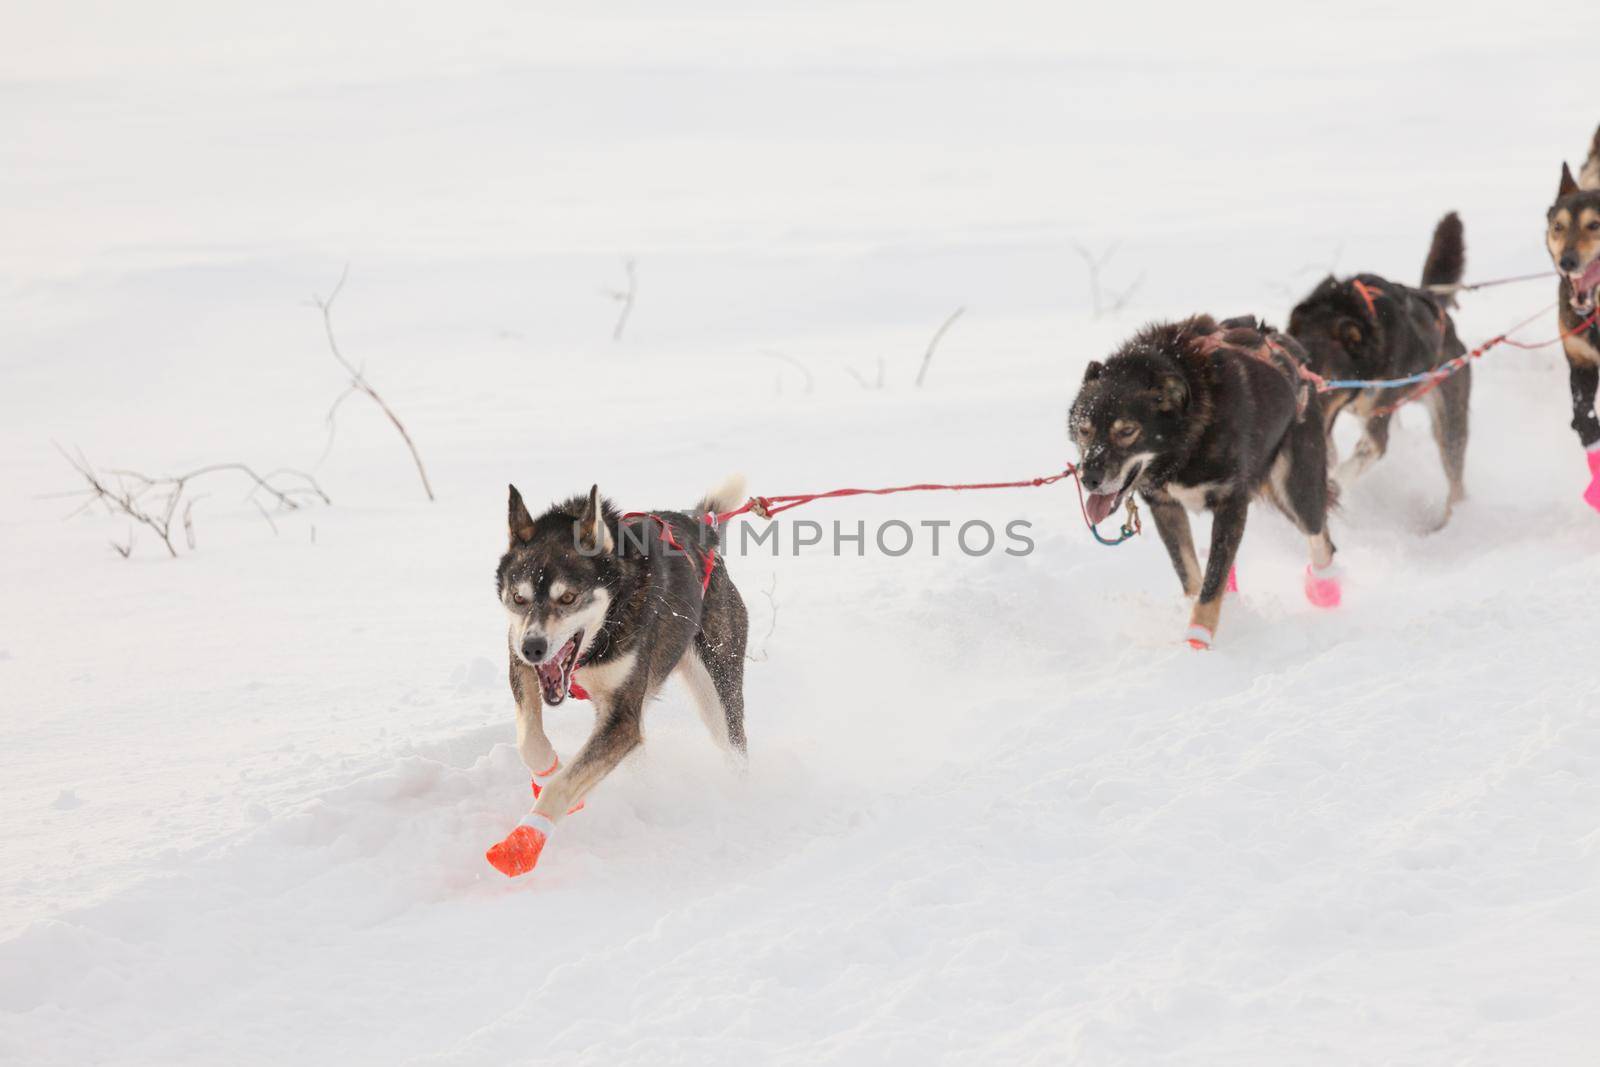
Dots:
{"x": 537, "y": 751}
{"x": 616, "y": 734}
{"x": 1172, "y": 523}
{"x": 1227, "y": 530}
{"x": 1585, "y": 377}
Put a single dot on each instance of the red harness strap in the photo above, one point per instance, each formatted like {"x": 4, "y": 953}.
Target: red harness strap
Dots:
{"x": 1257, "y": 342}
{"x": 671, "y": 539}
{"x": 1370, "y": 294}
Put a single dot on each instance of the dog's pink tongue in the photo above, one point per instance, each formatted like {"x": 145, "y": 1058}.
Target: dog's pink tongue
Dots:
{"x": 1590, "y": 277}
{"x": 1100, "y": 505}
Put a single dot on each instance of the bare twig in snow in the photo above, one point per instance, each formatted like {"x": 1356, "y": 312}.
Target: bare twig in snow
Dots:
{"x": 761, "y": 657}
{"x": 811, "y": 381}
{"x": 188, "y": 522}
{"x": 125, "y": 550}
{"x": 625, "y": 298}
{"x": 1120, "y": 300}
{"x": 359, "y": 384}
{"x": 938, "y": 335}
{"x": 153, "y": 502}
{"x": 264, "y": 515}
{"x": 861, "y": 379}
{"x": 1102, "y": 300}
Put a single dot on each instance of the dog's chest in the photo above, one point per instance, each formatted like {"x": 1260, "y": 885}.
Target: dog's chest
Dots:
{"x": 605, "y": 678}
{"x": 1193, "y": 497}
{"x": 1580, "y": 351}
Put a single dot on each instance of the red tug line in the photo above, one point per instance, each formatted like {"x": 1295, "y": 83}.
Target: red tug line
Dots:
{"x": 767, "y": 506}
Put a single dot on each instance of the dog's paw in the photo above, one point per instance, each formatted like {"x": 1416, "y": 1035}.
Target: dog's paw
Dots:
{"x": 519, "y": 852}
{"x": 1198, "y": 637}
{"x": 1591, "y": 495}
{"x": 1322, "y": 586}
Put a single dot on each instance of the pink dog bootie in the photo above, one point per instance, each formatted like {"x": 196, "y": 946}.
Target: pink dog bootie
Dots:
{"x": 1591, "y": 495}
{"x": 1233, "y": 580}
{"x": 519, "y": 852}
{"x": 1322, "y": 585}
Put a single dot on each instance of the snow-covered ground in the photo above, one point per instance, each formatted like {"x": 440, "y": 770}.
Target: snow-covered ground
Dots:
{"x": 995, "y": 811}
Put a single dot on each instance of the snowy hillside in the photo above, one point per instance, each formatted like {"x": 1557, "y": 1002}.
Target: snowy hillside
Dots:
{"x": 995, "y": 812}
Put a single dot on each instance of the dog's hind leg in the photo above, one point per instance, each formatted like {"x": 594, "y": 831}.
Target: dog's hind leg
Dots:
{"x": 725, "y": 724}
{"x": 1299, "y": 485}
{"x": 1448, "y": 408}
{"x": 715, "y": 662}
{"x": 1227, "y": 530}
{"x": 1373, "y": 444}
{"x": 1172, "y": 523}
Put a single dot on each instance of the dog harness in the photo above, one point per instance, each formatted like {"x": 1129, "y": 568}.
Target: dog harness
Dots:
{"x": 671, "y": 540}
{"x": 1250, "y": 337}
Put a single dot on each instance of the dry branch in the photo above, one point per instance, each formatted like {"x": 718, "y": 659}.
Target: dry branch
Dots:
{"x": 861, "y": 379}
{"x": 153, "y": 502}
{"x": 938, "y": 335}
{"x": 1100, "y": 299}
{"x": 359, "y": 384}
{"x": 772, "y": 625}
{"x": 625, "y": 298}
{"x": 811, "y": 381}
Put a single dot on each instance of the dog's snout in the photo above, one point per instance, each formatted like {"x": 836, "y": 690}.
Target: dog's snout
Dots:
{"x": 534, "y": 648}
{"x": 1569, "y": 262}
{"x": 1092, "y": 478}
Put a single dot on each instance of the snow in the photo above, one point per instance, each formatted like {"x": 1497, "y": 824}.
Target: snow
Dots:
{"x": 995, "y": 810}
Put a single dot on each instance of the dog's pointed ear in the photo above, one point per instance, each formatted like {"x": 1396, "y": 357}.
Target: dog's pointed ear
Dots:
{"x": 1568, "y": 183}
{"x": 520, "y": 521}
{"x": 1173, "y": 393}
{"x": 593, "y": 537}
{"x": 1092, "y": 371}
{"x": 1349, "y": 333}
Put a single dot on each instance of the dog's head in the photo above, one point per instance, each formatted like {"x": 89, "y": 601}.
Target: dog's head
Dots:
{"x": 1572, "y": 235}
{"x": 1335, "y": 326}
{"x": 555, "y": 582}
{"x": 1129, "y": 411}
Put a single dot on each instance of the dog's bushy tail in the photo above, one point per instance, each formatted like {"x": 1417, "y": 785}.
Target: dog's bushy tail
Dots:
{"x": 1447, "y": 255}
{"x": 1589, "y": 176}
{"x": 725, "y": 497}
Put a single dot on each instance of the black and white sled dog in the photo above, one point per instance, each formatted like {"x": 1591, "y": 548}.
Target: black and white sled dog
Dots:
{"x": 1572, "y": 236}
{"x": 1206, "y": 415}
{"x": 1368, "y": 327}
{"x": 608, "y": 607}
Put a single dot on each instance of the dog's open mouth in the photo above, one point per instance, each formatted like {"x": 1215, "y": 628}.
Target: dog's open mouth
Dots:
{"x": 555, "y": 673}
{"x": 1585, "y": 287}
{"x": 1100, "y": 505}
